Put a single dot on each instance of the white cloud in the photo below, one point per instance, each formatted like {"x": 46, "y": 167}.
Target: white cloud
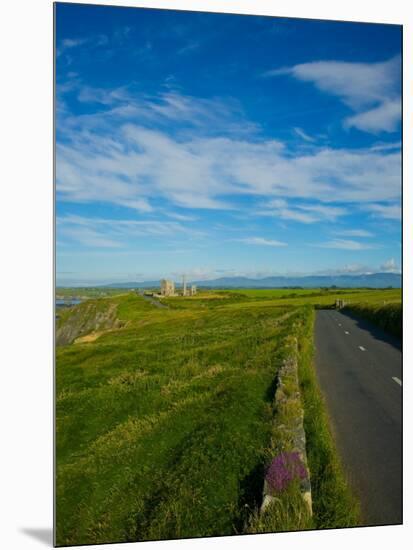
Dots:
{"x": 300, "y": 132}
{"x": 189, "y": 47}
{"x": 88, "y": 237}
{"x": 355, "y": 233}
{"x": 259, "y": 241}
{"x": 348, "y": 269}
{"x": 386, "y": 146}
{"x": 213, "y": 115}
{"x": 357, "y": 84}
{"x": 181, "y": 217}
{"x": 114, "y": 233}
{"x": 390, "y": 266}
{"x": 110, "y": 157}
{"x": 301, "y": 212}
{"x": 344, "y": 244}
{"x": 384, "y": 118}
{"x": 388, "y": 211}
{"x": 372, "y": 90}
{"x": 73, "y": 42}
{"x": 296, "y": 215}
{"x": 276, "y": 203}
{"x": 327, "y": 212}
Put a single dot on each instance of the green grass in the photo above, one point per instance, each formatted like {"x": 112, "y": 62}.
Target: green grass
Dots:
{"x": 89, "y": 292}
{"x": 316, "y": 297}
{"x": 164, "y": 421}
{"x": 162, "y": 424}
{"x": 333, "y": 502}
{"x": 286, "y": 513}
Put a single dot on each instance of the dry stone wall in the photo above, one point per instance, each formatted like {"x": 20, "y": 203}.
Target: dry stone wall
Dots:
{"x": 288, "y": 442}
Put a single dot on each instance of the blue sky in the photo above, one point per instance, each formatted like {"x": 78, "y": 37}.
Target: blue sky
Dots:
{"x": 221, "y": 145}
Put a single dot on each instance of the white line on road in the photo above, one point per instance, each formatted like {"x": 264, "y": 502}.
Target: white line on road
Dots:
{"x": 362, "y": 349}
{"x": 397, "y": 380}
{"x": 339, "y": 324}
{"x": 346, "y": 332}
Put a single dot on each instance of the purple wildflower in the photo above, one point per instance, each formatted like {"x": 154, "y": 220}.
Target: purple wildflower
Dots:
{"x": 283, "y": 469}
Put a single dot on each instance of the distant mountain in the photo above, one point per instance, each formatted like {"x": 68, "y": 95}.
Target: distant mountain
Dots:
{"x": 145, "y": 284}
{"x": 371, "y": 280}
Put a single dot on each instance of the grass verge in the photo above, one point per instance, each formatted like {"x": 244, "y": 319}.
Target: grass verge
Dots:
{"x": 334, "y": 504}
{"x": 387, "y": 316}
{"x": 287, "y": 511}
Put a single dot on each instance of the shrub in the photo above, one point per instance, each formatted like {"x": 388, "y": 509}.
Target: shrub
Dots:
{"x": 285, "y": 468}
{"x": 387, "y": 316}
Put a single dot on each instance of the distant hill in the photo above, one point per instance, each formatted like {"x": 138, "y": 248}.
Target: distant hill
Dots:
{"x": 371, "y": 280}
{"x": 145, "y": 284}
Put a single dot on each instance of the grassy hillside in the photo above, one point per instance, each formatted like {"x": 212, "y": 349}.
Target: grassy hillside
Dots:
{"x": 161, "y": 424}
{"x": 164, "y": 418}
{"x": 89, "y": 292}
{"x": 88, "y": 319}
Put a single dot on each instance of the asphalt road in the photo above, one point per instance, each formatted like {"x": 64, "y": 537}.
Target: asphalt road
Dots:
{"x": 360, "y": 373}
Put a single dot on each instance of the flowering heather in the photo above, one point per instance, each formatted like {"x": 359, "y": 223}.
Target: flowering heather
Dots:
{"x": 283, "y": 469}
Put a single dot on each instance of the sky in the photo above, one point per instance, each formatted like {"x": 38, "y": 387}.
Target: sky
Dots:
{"x": 218, "y": 145}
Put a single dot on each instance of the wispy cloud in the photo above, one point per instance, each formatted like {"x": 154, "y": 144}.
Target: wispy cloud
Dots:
{"x": 354, "y": 233}
{"x": 113, "y": 156}
{"x": 131, "y": 148}
{"x": 386, "y": 146}
{"x": 260, "y": 241}
{"x": 300, "y": 132}
{"x": 181, "y": 217}
{"x": 385, "y": 117}
{"x": 296, "y": 215}
{"x": 113, "y": 233}
{"x": 388, "y": 211}
{"x": 348, "y": 269}
{"x": 69, "y": 44}
{"x": 189, "y": 47}
{"x": 73, "y": 42}
{"x": 344, "y": 244}
{"x": 301, "y": 212}
{"x": 372, "y": 90}
{"x": 323, "y": 211}
{"x": 357, "y": 84}
{"x": 87, "y": 236}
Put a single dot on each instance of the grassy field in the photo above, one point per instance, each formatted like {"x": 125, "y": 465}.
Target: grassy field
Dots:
{"x": 164, "y": 418}
{"x": 88, "y": 292}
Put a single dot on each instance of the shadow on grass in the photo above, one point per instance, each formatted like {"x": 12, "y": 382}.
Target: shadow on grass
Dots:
{"x": 270, "y": 393}
{"x": 251, "y": 488}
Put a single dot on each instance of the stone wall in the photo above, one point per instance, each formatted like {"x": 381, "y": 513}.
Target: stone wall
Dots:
{"x": 288, "y": 435}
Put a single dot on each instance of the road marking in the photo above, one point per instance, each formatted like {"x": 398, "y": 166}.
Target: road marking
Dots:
{"x": 397, "y": 380}
{"x": 362, "y": 349}
{"x": 346, "y": 332}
